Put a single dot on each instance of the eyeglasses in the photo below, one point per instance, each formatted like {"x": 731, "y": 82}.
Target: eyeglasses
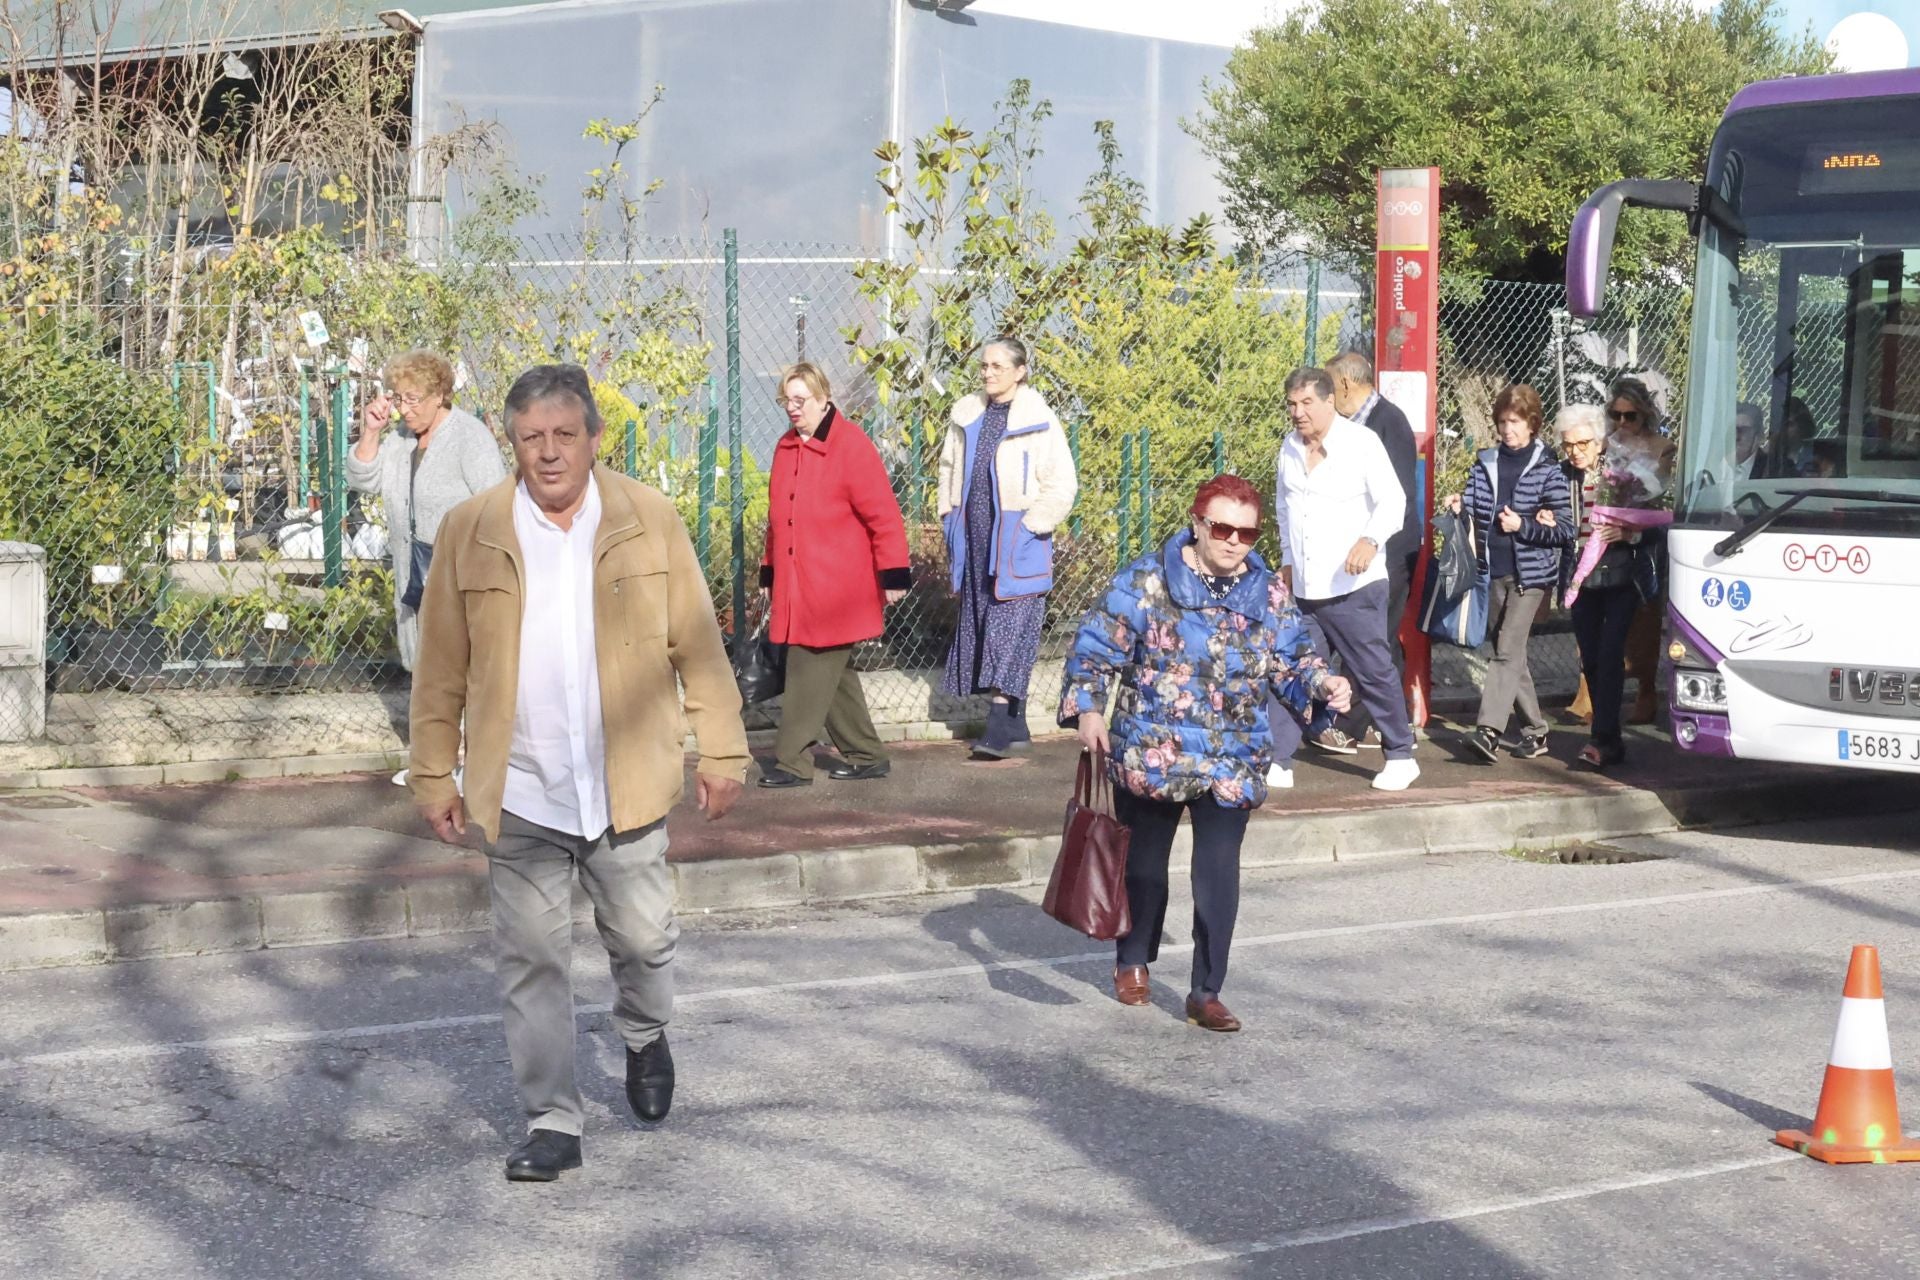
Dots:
{"x": 1221, "y": 531}
{"x": 406, "y": 399}
{"x": 1623, "y": 415}
{"x": 1580, "y": 444}
{"x": 791, "y": 402}
{"x": 988, "y": 366}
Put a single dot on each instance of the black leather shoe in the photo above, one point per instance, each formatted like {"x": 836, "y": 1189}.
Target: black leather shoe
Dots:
{"x": 543, "y": 1156}
{"x": 650, "y": 1080}
{"x": 847, "y": 771}
{"x": 777, "y": 778}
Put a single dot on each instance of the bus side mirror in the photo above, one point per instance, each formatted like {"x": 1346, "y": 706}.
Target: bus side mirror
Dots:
{"x": 1590, "y": 243}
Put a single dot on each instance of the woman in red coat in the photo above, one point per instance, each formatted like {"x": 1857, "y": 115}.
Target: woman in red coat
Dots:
{"x": 836, "y": 557}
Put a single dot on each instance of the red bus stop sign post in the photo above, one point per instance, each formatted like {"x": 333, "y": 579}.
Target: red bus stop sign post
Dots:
{"x": 1406, "y": 353}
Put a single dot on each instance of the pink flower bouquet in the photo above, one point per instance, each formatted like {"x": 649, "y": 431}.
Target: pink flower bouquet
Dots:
{"x": 1625, "y": 496}
{"x": 1635, "y": 518}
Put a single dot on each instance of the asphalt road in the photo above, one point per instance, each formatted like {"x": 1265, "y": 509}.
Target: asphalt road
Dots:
{"x": 1462, "y": 1066}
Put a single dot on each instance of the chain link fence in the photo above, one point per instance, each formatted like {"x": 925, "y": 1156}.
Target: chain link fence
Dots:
{"x": 213, "y": 590}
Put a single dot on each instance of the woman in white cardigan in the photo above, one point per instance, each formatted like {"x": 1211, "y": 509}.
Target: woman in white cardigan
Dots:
{"x": 1006, "y": 482}
{"x": 433, "y": 457}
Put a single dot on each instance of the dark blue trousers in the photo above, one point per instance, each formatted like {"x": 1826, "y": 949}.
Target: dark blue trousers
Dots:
{"x": 1217, "y": 833}
{"x": 1355, "y": 625}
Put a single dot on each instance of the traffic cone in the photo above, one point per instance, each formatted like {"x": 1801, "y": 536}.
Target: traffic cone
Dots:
{"x": 1858, "y": 1121}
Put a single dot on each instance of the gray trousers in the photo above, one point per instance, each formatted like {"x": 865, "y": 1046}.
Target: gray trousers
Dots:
{"x": 1511, "y": 610}
{"x": 530, "y": 870}
{"x": 1355, "y": 625}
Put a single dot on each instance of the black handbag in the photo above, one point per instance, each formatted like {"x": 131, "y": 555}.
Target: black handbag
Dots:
{"x": 760, "y": 667}
{"x": 419, "y": 560}
{"x": 419, "y": 554}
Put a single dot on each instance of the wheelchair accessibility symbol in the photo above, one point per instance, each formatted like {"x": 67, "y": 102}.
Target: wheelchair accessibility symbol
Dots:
{"x": 1739, "y": 595}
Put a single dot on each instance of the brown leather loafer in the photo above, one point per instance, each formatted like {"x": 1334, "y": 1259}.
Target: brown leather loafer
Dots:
{"x": 1130, "y": 984}
{"x": 1210, "y": 1015}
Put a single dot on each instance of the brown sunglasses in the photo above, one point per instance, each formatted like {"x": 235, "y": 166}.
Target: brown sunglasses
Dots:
{"x": 1221, "y": 531}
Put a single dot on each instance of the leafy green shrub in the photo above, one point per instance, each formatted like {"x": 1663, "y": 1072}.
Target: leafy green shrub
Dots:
{"x": 86, "y": 462}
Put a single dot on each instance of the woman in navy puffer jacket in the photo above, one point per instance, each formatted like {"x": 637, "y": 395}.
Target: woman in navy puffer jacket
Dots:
{"x": 1509, "y": 486}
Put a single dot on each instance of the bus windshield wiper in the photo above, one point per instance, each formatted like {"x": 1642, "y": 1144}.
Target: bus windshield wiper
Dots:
{"x": 1739, "y": 537}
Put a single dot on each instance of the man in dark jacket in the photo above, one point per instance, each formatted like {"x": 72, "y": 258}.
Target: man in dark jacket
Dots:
{"x": 1355, "y": 397}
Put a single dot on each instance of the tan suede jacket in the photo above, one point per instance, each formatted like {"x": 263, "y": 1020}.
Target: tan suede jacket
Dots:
{"x": 652, "y": 617}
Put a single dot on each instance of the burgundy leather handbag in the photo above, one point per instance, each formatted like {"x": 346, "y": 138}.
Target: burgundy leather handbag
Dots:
{"x": 1088, "y": 890}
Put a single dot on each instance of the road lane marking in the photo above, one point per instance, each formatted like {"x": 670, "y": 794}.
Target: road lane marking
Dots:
{"x": 1336, "y": 1232}
{"x": 264, "y": 1039}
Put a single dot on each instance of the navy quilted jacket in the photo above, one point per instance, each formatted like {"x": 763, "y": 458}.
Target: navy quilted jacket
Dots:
{"x": 1541, "y": 485}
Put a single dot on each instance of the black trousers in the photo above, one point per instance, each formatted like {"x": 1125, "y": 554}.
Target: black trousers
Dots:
{"x": 1217, "y": 835}
{"x": 1601, "y": 620}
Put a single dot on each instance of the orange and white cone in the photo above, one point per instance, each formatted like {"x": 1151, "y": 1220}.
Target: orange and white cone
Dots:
{"x": 1858, "y": 1121}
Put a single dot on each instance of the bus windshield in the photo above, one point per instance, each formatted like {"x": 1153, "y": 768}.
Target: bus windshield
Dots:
{"x": 1806, "y": 331}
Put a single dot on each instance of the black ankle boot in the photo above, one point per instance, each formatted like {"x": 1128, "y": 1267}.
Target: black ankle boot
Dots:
{"x": 1022, "y": 737}
{"x": 997, "y": 742}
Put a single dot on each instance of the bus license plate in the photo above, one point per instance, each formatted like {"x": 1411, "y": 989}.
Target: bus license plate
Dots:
{"x": 1879, "y": 748}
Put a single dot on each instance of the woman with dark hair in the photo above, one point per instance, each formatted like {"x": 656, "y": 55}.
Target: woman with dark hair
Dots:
{"x": 1006, "y": 482}
{"x": 1509, "y": 486}
{"x": 1199, "y": 634}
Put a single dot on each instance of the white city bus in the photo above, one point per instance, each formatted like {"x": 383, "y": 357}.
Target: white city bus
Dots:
{"x": 1795, "y": 568}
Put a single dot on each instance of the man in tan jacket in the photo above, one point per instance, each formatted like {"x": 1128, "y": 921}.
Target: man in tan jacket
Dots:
{"x": 561, "y": 607}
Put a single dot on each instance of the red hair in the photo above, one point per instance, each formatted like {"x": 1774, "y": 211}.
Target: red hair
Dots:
{"x": 1228, "y": 486}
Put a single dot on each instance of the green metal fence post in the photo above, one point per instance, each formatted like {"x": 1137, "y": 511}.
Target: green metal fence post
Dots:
{"x": 213, "y": 406}
{"x": 736, "y": 459}
{"x": 1219, "y": 453}
{"x": 1313, "y": 313}
{"x": 915, "y": 491}
{"x": 709, "y": 462}
{"x": 1144, "y": 491}
{"x": 633, "y": 447}
{"x": 1073, "y": 447}
{"x": 1126, "y": 498}
{"x": 333, "y": 507}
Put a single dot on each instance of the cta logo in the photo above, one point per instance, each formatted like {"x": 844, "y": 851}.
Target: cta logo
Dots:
{"x": 1826, "y": 558}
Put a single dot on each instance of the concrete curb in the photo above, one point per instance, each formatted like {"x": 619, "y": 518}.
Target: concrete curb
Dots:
{"x": 147, "y": 775}
{"x": 458, "y": 904}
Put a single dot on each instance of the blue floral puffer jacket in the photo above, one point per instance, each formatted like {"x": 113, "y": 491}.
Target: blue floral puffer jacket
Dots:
{"x": 1195, "y": 674}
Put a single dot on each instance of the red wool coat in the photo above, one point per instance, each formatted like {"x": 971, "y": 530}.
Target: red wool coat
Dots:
{"x": 835, "y": 538}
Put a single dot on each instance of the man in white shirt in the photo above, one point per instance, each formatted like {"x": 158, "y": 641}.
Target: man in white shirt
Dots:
{"x": 1337, "y": 503}
{"x": 565, "y": 613}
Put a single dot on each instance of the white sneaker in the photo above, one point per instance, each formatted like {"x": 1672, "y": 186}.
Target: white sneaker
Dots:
{"x": 1279, "y": 776}
{"x": 1396, "y": 775}
{"x": 400, "y": 778}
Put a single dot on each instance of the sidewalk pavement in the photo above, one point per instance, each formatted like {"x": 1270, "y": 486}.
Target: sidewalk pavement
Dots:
{"x": 90, "y": 874}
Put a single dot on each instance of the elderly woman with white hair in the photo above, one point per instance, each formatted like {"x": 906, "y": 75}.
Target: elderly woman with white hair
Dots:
{"x": 1609, "y": 597}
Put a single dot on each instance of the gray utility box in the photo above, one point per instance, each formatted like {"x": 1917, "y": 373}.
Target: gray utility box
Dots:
{"x": 23, "y": 642}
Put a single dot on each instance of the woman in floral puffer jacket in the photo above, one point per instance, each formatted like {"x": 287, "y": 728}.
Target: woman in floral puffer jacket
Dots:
{"x": 1199, "y": 634}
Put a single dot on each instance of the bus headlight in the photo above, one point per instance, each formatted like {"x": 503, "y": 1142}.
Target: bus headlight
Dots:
{"x": 1699, "y": 690}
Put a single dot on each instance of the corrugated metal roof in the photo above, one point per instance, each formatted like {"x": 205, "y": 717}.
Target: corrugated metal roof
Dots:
{"x": 122, "y": 29}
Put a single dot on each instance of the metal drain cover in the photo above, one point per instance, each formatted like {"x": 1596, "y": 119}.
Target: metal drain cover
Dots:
{"x": 41, "y": 802}
{"x": 1596, "y": 855}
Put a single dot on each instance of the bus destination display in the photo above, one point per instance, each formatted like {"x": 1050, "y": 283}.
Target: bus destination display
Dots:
{"x": 1842, "y": 167}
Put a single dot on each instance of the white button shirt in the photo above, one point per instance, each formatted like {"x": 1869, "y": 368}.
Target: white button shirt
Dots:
{"x": 1319, "y": 515}
{"x": 557, "y": 763}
